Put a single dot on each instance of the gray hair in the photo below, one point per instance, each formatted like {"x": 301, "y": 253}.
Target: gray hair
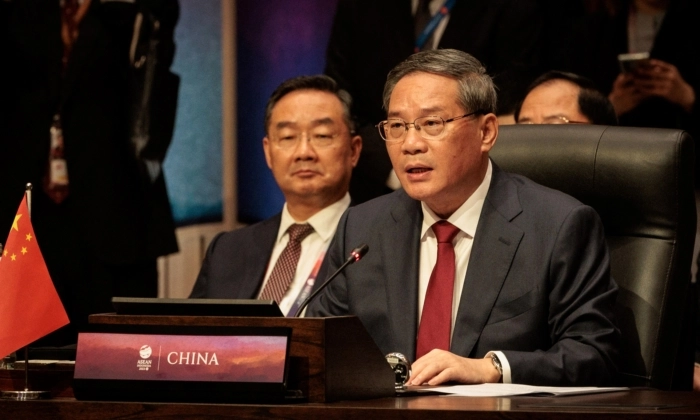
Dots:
{"x": 476, "y": 89}
{"x": 318, "y": 82}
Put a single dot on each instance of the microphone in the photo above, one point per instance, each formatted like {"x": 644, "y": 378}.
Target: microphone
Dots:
{"x": 355, "y": 256}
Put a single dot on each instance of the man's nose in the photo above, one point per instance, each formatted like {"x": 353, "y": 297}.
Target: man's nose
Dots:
{"x": 304, "y": 149}
{"x": 414, "y": 141}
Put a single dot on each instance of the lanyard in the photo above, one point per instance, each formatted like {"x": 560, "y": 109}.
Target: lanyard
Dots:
{"x": 434, "y": 22}
{"x": 306, "y": 290}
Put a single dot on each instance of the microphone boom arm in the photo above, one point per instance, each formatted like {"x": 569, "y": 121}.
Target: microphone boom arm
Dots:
{"x": 355, "y": 255}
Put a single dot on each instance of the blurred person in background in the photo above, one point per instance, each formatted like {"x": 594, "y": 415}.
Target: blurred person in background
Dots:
{"x": 370, "y": 37}
{"x": 88, "y": 106}
{"x": 558, "y": 97}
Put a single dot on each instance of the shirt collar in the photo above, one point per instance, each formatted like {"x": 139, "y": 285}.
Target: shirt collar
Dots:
{"x": 466, "y": 217}
{"x": 324, "y": 222}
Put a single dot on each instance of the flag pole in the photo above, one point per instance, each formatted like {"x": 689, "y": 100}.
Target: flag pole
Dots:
{"x": 28, "y": 192}
{"x": 26, "y": 395}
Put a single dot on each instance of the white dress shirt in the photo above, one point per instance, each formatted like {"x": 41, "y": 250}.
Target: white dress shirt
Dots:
{"x": 313, "y": 247}
{"x": 466, "y": 218}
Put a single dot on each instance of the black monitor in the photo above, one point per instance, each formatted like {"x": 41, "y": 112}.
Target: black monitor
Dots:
{"x": 196, "y": 307}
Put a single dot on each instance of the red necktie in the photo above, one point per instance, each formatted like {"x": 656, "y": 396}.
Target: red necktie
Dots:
{"x": 436, "y": 319}
{"x": 286, "y": 265}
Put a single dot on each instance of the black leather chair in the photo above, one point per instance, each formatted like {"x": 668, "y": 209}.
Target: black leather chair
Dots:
{"x": 640, "y": 181}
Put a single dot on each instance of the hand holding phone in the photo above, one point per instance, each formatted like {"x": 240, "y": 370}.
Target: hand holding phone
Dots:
{"x": 632, "y": 61}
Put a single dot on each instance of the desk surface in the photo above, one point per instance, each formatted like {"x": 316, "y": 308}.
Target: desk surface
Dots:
{"x": 630, "y": 404}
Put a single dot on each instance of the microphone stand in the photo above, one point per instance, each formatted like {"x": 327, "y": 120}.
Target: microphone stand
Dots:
{"x": 355, "y": 256}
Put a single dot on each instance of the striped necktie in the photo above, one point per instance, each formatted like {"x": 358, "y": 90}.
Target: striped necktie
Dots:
{"x": 286, "y": 265}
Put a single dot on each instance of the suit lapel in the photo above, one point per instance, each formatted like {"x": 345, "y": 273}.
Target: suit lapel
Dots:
{"x": 495, "y": 244}
{"x": 260, "y": 250}
{"x": 464, "y": 16}
{"x": 401, "y": 270}
{"x": 398, "y": 30}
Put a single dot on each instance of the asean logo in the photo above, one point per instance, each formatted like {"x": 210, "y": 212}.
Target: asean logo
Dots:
{"x": 145, "y": 351}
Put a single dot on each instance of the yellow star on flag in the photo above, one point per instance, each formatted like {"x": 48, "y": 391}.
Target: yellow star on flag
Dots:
{"x": 14, "y": 224}
{"x": 29, "y": 236}
{"x": 13, "y": 257}
{"x": 24, "y": 250}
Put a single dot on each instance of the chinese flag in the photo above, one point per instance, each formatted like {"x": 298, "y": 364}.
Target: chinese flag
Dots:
{"x": 29, "y": 305}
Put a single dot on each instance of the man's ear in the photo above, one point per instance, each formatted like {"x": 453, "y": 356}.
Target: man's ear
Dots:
{"x": 355, "y": 148}
{"x": 489, "y": 131}
{"x": 266, "y": 148}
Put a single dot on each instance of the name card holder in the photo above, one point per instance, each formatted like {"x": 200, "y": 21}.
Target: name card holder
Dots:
{"x": 325, "y": 359}
{"x": 184, "y": 363}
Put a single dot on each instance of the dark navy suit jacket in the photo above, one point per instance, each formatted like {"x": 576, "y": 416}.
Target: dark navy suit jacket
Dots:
{"x": 235, "y": 264}
{"x": 538, "y": 286}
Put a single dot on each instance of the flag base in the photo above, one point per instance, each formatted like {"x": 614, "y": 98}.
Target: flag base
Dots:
{"x": 25, "y": 395}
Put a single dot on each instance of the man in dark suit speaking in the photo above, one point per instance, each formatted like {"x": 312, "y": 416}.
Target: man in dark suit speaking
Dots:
{"x": 311, "y": 149}
{"x": 480, "y": 275}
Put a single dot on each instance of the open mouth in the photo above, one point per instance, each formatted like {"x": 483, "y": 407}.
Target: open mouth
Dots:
{"x": 418, "y": 170}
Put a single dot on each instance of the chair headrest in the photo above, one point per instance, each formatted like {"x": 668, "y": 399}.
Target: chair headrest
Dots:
{"x": 640, "y": 180}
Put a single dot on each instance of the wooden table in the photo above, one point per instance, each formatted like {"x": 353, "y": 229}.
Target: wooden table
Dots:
{"x": 636, "y": 404}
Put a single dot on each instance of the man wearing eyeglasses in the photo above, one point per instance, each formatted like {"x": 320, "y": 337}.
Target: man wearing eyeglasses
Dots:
{"x": 311, "y": 148}
{"x": 558, "y": 97}
{"x": 476, "y": 274}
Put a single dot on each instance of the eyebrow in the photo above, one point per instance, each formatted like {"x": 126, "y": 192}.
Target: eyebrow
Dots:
{"x": 321, "y": 121}
{"x": 430, "y": 110}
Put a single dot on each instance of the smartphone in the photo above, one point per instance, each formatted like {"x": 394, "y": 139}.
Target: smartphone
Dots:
{"x": 631, "y": 61}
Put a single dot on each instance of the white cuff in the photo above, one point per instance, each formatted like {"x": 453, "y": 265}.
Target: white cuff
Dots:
{"x": 504, "y": 365}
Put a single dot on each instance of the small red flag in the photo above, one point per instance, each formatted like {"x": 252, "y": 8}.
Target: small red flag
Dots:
{"x": 29, "y": 305}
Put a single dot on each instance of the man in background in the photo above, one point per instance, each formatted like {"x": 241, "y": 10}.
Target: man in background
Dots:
{"x": 311, "y": 148}
{"x": 558, "y": 97}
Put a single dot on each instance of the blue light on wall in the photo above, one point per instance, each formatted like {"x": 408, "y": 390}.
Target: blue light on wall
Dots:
{"x": 193, "y": 164}
{"x": 276, "y": 40}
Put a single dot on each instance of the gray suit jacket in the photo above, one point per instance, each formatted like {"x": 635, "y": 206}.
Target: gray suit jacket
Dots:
{"x": 538, "y": 286}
